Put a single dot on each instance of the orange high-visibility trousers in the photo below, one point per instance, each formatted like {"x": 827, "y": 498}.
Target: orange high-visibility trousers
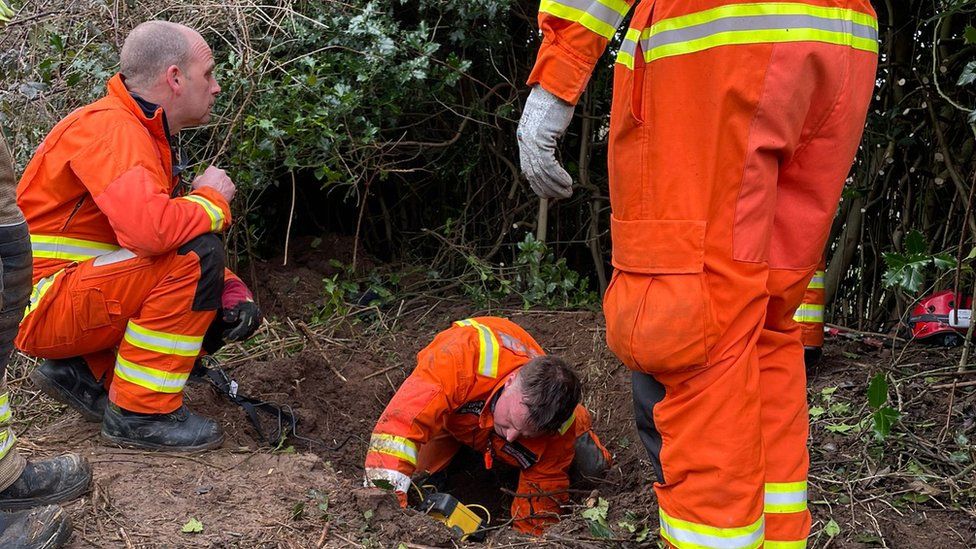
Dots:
{"x": 810, "y": 314}
{"x": 729, "y": 148}
{"x": 139, "y": 322}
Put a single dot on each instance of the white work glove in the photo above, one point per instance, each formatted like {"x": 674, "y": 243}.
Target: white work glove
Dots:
{"x": 544, "y": 120}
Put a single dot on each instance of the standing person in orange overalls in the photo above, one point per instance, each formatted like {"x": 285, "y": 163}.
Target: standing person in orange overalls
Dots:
{"x": 810, "y": 316}
{"x": 733, "y": 127}
{"x": 129, "y": 276}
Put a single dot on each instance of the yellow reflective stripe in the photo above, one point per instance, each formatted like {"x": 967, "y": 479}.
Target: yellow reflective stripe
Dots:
{"x": 162, "y": 342}
{"x": 488, "y": 348}
{"x": 625, "y": 55}
{"x": 736, "y": 24}
{"x": 215, "y": 214}
{"x": 735, "y": 38}
{"x": 398, "y": 447}
{"x": 809, "y": 313}
{"x": 762, "y": 8}
{"x": 7, "y": 440}
{"x": 41, "y": 288}
{"x": 786, "y": 497}
{"x": 4, "y": 408}
{"x": 689, "y": 535}
{"x": 567, "y": 424}
{"x": 599, "y": 16}
{"x": 70, "y": 249}
{"x": 800, "y": 544}
{"x": 817, "y": 281}
{"x": 150, "y": 378}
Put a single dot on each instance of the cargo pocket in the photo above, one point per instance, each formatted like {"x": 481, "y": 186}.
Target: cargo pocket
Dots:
{"x": 91, "y": 308}
{"x": 657, "y": 309}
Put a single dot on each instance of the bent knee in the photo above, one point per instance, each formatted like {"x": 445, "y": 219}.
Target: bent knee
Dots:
{"x": 210, "y": 254}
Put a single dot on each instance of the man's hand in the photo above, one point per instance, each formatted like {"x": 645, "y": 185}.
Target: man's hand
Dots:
{"x": 242, "y": 320}
{"x": 218, "y": 180}
{"x": 241, "y": 315}
{"x": 544, "y": 120}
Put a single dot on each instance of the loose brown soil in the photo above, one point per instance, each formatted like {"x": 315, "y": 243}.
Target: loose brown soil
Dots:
{"x": 307, "y": 493}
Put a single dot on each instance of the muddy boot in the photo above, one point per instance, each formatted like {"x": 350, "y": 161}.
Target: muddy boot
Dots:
{"x": 69, "y": 381}
{"x": 47, "y": 481}
{"x": 178, "y": 431}
{"x": 812, "y": 356}
{"x": 40, "y": 528}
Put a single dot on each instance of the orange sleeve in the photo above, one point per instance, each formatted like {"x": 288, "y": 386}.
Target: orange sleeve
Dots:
{"x": 122, "y": 173}
{"x": 574, "y": 35}
{"x": 549, "y": 478}
{"x": 437, "y": 386}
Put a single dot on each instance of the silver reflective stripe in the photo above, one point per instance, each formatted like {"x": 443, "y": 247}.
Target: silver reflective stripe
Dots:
{"x": 144, "y": 339}
{"x": 757, "y": 23}
{"x": 809, "y": 313}
{"x": 155, "y": 382}
{"x": 604, "y": 13}
{"x": 117, "y": 256}
{"x": 788, "y": 497}
{"x": 4, "y": 407}
{"x": 7, "y": 440}
{"x": 699, "y": 536}
{"x": 400, "y": 482}
{"x": 629, "y": 47}
{"x": 66, "y": 249}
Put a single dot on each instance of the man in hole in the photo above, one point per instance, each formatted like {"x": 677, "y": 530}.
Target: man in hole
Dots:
{"x": 485, "y": 383}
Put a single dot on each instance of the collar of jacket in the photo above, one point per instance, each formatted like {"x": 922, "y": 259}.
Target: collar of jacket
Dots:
{"x": 156, "y": 124}
{"x": 487, "y": 418}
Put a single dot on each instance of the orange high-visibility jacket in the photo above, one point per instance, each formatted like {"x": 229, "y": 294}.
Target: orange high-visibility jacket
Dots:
{"x": 103, "y": 179}
{"x": 457, "y": 378}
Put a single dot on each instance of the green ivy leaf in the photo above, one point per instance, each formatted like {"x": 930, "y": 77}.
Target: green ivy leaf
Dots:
{"x": 970, "y": 34}
{"x": 878, "y": 391}
{"x": 832, "y": 528}
{"x": 816, "y": 411}
{"x": 192, "y": 526}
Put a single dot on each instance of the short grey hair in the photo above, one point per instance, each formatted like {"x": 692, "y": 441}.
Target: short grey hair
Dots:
{"x": 150, "y": 49}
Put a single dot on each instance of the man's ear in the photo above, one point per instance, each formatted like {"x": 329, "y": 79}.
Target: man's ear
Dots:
{"x": 510, "y": 381}
{"x": 174, "y": 78}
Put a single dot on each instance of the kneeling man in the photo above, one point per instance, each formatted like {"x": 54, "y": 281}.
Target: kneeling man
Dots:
{"x": 487, "y": 384}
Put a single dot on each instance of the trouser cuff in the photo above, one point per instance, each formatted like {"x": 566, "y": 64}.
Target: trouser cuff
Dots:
{"x": 11, "y": 467}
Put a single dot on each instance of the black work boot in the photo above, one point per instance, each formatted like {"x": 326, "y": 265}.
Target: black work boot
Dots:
{"x": 47, "y": 481}
{"x": 40, "y": 528}
{"x": 69, "y": 381}
{"x": 812, "y": 356}
{"x": 177, "y": 431}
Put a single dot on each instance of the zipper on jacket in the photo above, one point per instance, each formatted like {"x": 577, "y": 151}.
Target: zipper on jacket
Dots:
{"x": 73, "y": 212}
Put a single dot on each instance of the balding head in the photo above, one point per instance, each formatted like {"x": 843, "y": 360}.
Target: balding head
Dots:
{"x": 151, "y": 48}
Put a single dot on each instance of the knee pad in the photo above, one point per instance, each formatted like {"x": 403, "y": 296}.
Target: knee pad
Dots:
{"x": 16, "y": 267}
{"x": 210, "y": 253}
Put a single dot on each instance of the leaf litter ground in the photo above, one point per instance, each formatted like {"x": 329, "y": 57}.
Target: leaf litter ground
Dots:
{"x": 913, "y": 489}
